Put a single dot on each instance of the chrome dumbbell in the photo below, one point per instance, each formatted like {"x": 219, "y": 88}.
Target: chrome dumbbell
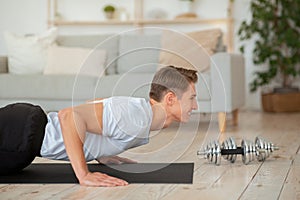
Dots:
{"x": 264, "y": 148}
{"x": 214, "y": 151}
{"x": 249, "y": 152}
{"x": 260, "y": 150}
{"x": 227, "y": 148}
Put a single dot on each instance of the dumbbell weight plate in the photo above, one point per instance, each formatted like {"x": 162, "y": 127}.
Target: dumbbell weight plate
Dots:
{"x": 264, "y": 148}
{"x": 229, "y": 144}
{"x": 261, "y": 149}
{"x": 212, "y": 153}
{"x": 249, "y": 151}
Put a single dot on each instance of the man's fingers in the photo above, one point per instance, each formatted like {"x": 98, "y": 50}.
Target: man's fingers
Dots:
{"x": 103, "y": 180}
{"x": 110, "y": 180}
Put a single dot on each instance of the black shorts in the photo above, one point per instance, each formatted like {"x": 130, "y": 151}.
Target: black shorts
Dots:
{"x": 22, "y": 129}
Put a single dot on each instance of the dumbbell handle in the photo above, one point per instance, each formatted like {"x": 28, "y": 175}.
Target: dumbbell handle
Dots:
{"x": 238, "y": 150}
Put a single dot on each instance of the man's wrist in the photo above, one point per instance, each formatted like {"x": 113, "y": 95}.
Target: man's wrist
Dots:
{"x": 81, "y": 172}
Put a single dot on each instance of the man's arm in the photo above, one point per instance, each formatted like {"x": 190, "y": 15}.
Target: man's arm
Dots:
{"x": 74, "y": 124}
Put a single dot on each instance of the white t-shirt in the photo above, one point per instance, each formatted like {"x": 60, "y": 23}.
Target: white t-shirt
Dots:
{"x": 126, "y": 124}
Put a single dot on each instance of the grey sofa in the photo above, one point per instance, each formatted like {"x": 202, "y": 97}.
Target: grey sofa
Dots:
{"x": 129, "y": 72}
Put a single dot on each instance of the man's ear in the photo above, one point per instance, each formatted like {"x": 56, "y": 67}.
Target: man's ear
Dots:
{"x": 170, "y": 98}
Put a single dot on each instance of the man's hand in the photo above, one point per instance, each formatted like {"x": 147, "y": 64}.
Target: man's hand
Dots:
{"x": 114, "y": 160}
{"x": 98, "y": 179}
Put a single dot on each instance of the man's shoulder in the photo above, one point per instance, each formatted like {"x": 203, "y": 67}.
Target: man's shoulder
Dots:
{"x": 126, "y": 98}
{"x": 130, "y": 119}
{"x": 130, "y": 102}
{"x": 131, "y": 110}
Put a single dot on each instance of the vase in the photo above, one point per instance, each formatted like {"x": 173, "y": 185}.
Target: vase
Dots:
{"x": 186, "y": 6}
{"x": 109, "y": 15}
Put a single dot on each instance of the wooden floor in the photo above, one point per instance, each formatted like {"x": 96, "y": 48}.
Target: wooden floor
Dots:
{"x": 276, "y": 178}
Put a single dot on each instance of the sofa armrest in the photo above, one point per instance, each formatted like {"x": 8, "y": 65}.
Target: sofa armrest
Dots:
{"x": 3, "y": 64}
{"x": 227, "y": 82}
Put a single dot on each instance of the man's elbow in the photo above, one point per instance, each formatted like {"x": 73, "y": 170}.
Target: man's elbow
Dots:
{"x": 65, "y": 114}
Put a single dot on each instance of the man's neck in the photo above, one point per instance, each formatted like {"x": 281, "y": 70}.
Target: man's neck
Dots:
{"x": 160, "y": 119}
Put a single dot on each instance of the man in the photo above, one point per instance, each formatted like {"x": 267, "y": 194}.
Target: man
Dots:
{"x": 101, "y": 129}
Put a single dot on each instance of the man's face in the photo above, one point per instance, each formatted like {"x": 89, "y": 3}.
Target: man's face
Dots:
{"x": 186, "y": 104}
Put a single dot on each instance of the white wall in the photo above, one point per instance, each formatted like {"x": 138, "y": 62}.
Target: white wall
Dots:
{"x": 30, "y": 17}
{"x": 242, "y": 12}
{"x": 22, "y": 17}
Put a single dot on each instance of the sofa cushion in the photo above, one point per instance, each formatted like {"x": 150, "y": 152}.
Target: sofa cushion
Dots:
{"x": 80, "y": 88}
{"x": 55, "y": 87}
{"x": 138, "y": 53}
{"x": 203, "y": 87}
{"x": 129, "y": 84}
{"x": 3, "y": 64}
{"x": 108, "y": 42}
{"x": 74, "y": 60}
{"x": 191, "y": 50}
{"x": 208, "y": 39}
{"x": 28, "y": 54}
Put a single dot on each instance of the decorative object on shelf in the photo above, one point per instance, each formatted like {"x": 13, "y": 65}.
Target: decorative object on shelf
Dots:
{"x": 275, "y": 28}
{"x": 58, "y": 16}
{"x": 122, "y": 14}
{"x": 187, "y": 10}
{"x": 109, "y": 11}
{"x": 186, "y": 15}
{"x": 187, "y": 6}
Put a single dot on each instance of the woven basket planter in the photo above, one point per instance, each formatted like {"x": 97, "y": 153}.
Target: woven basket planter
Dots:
{"x": 281, "y": 102}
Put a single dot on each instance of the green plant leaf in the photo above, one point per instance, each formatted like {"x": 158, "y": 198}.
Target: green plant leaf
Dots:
{"x": 275, "y": 28}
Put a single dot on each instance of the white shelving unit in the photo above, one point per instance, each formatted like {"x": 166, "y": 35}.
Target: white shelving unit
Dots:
{"x": 139, "y": 21}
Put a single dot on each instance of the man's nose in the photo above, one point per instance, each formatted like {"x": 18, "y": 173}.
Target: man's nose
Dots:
{"x": 195, "y": 105}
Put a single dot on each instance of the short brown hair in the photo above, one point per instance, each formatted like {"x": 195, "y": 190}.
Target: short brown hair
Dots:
{"x": 172, "y": 79}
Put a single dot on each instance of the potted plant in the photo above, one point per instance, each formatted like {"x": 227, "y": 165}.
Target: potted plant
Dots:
{"x": 275, "y": 29}
{"x": 109, "y": 11}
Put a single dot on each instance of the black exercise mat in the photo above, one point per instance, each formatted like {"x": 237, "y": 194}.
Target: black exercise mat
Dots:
{"x": 132, "y": 173}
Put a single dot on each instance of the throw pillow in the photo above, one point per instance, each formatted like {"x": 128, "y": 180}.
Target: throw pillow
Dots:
{"x": 73, "y": 60}
{"x": 27, "y": 54}
{"x": 138, "y": 53}
{"x": 191, "y": 50}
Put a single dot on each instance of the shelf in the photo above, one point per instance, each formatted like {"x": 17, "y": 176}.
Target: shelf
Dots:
{"x": 139, "y": 22}
{"x": 183, "y": 21}
{"x": 90, "y": 23}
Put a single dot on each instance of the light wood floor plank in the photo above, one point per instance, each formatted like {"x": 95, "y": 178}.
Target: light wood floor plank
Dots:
{"x": 291, "y": 187}
{"x": 80, "y": 192}
{"x": 268, "y": 181}
{"x": 30, "y": 191}
{"x": 150, "y": 191}
{"x": 210, "y": 181}
{"x": 3, "y": 185}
